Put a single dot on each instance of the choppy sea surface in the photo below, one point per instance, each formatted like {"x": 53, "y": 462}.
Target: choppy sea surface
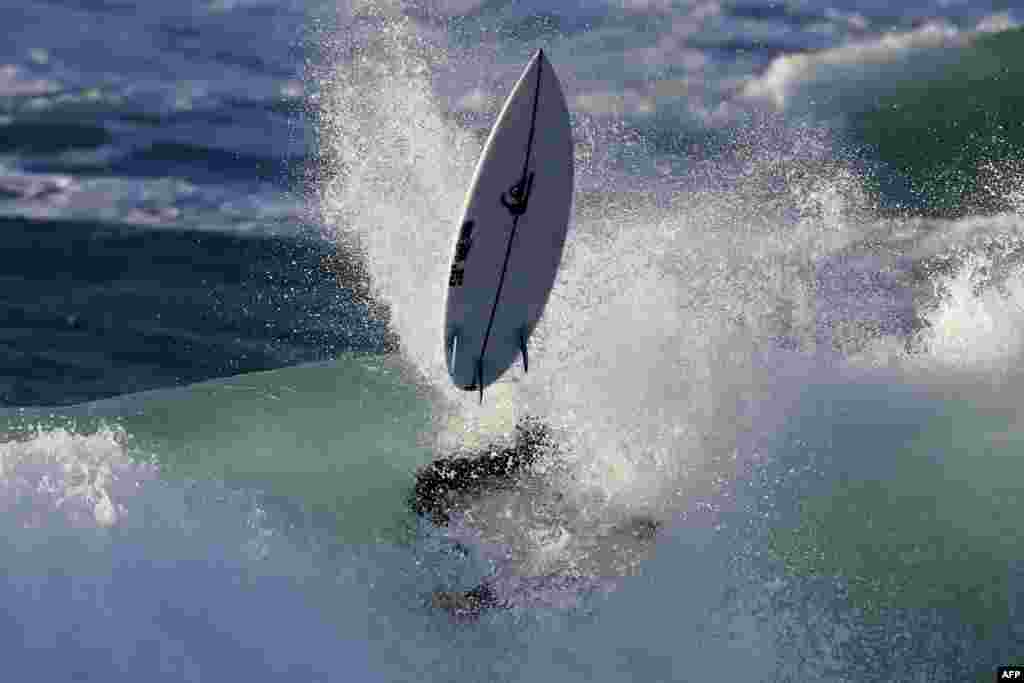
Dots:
{"x": 788, "y": 328}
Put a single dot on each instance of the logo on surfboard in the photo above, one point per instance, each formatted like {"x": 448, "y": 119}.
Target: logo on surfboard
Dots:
{"x": 462, "y": 248}
{"x": 518, "y": 197}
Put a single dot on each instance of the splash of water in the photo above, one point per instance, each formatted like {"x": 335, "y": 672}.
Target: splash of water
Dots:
{"x": 647, "y": 357}
{"x": 80, "y": 479}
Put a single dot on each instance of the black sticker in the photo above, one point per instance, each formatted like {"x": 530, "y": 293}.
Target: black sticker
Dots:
{"x": 465, "y": 242}
{"x": 462, "y": 249}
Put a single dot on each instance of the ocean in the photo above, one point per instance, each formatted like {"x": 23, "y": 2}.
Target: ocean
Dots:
{"x": 779, "y": 368}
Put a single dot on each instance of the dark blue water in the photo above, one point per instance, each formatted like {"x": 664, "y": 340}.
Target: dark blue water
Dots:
{"x": 97, "y": 310}
{"x": 151, "y": 176}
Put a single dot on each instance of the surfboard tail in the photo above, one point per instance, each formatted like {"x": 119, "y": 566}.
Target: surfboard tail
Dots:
{"x": 454, "y": 349}
{"x": 480, "y": 378}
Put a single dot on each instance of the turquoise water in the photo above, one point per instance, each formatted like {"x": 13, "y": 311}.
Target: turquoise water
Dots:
{"x": 336, "y": 440}
{"x": 268, "y": 513}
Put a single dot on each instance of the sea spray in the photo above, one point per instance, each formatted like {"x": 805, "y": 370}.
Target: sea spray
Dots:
{"x": 649, "y": 360}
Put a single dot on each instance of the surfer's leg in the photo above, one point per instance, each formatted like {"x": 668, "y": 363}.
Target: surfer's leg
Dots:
{"x": 449, "y": 483}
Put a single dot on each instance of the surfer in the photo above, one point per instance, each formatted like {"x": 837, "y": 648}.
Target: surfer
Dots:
{"x": 454, "y": 484}
{"x": 445, "y": 480}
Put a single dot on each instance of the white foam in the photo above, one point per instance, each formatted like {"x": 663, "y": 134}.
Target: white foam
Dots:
{"x": 14, "y": 84}
{"x": 34, "y": 186}
{"x": 155, "y": 203}
{"x": 974, "y": 316}
{"x": 839, "y": 79}
{"x": 394, "y": 176}
{"x": 82, "y": 479}
{"x": 977, "y": 330}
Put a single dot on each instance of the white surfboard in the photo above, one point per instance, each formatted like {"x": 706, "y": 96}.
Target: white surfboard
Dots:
{"x": 512, "y": 232}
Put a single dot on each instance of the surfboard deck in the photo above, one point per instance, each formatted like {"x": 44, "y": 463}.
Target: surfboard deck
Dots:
{"x": 512, "y": 232}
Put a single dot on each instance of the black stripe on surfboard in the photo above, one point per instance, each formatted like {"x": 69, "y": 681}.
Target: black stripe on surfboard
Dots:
{"x": 533, "y": 120}
{"x": 515, "y": 226}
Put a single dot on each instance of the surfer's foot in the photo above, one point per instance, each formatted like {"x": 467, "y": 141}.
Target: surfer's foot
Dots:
{"x": 466, "y": 604}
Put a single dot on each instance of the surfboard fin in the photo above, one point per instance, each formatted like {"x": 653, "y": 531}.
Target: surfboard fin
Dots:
{"x": 480, "y": 378}
{"x": 522, "y": 348}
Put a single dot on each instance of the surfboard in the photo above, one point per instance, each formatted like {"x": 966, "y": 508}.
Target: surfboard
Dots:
{"x": 512, "y": 232}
